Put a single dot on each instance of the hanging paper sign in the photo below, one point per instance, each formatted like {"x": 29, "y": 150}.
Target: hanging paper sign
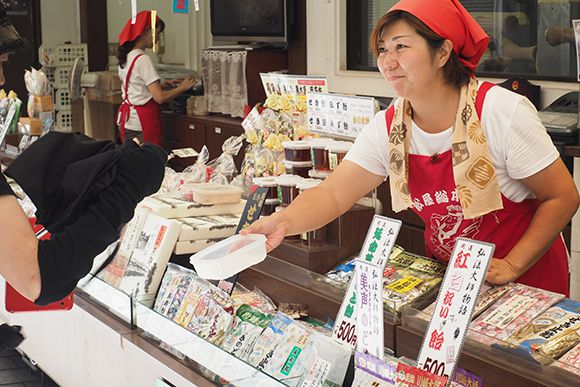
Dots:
{"x": 133, "y": 11}
{"x": 196, "y": 5}
{"x": 455, "y": 303}
{"x": 154, "y": 29}
{"x": 180, "y": 6}
{"x": 409, "y": 376}
{"x": 336, "y": 114}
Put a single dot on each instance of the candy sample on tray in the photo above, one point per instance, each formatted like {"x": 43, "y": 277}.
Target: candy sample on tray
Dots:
{"x": 512, "y": 311}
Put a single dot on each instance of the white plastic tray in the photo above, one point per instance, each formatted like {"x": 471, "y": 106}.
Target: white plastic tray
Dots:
{"x": 230, "y": 256}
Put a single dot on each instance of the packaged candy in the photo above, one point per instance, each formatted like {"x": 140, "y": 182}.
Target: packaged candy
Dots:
{"x": 270, "y": 339}
{"x": 515, "y": 309}
{"x": 254, "y": 298}
{"x": 295, "y": 311}
{"x": 571, "y": 360}
{"x": 247, "y": 326}
{"x": 549, "y": 335}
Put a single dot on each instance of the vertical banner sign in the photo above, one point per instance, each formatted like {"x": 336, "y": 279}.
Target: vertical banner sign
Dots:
{"x": 196, "y": 5}
{"x": 455, "y": 303}
{"x": 368, "y": 278}
{"x": 576, "y": 26}
{"x": 133, "y": 11}
{"x": 180, "y": 6}
{"x": 251, "y": 213}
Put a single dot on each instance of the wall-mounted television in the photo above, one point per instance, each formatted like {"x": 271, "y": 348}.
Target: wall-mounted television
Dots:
{"x": 249, "y": 21}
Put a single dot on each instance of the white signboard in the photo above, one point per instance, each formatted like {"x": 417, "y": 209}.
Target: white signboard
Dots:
{"x": 337, "y": 114}
{"x": 375, "y": 253}
{"x": 370, "y": 329}
{"x": 455, "y": 303}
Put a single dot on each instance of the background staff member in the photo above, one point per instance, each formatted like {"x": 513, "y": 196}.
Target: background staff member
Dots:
{"x": 139, "y": 115}
{"x": 470, "y": 159}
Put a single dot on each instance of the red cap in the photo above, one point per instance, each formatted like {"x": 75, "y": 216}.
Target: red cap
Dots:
{"x": 450, "y": 20}
{"x": 133, "y": 31}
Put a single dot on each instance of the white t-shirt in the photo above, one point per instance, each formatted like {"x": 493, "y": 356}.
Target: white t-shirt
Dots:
{"x": 518, "y": 142}
{"x": 143, "y": 75}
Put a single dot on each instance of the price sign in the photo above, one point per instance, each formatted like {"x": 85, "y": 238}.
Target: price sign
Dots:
{"x": 337, "y": 114}
{"x": 409, "y": 376}
{"x": 253, "y": 121}
{"x": 455, "y": 303}
{"x": 375, "y": 253}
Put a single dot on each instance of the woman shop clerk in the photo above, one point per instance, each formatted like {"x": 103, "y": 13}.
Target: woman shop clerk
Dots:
{"x": 139, "y": 115}
{"x": 470, "y": 159}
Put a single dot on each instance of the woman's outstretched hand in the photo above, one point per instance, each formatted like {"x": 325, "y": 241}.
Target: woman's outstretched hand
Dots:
{"x": 272, "y": 227}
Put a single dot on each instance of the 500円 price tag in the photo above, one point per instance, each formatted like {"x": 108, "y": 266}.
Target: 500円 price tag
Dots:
{"x": 455, "y": 303}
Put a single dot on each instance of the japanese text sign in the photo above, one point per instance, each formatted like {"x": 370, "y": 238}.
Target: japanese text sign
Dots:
{"x": 369, "y": 318}
{"x": 455, "y": 303}
{"x": 337, "y": 114}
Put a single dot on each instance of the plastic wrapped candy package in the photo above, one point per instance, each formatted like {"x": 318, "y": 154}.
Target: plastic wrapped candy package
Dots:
{"x": 515, "y": 309}
{"x": 171, "y": 181}
{"x": 210, "y": 320}
{"x": 247, "y": 326}
{"x": 571, "y": 360}
{"x": 224, "y": 168}
{"x": 254, "y": 298}
{"x": 488, "y": 294}
{"x": 270, "y": 339}
{"x": 549, "y": 335}
{"x": 198, "y": 172}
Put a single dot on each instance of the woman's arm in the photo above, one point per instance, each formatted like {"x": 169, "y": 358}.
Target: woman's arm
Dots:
{"x": 18, "y": 249}
{"x": 163, "y": 96}
{"x": 557, "y": 193}
{"x": 318, "y": 206}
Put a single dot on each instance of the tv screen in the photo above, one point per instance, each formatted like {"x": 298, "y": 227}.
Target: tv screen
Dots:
{"x": 248, "y": 18}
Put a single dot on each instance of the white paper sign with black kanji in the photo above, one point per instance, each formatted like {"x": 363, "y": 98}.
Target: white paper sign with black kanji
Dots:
{"x": 457, "y": 298}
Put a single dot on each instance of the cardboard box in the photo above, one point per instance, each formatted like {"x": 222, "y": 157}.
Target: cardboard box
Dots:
{"x": 43, "y": 103}
{"x": 108, "y": 81}
{"x": 33, "y": 125}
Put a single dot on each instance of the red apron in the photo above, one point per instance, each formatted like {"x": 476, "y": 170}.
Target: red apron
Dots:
{"x": 432, "y": 189}
{"x": 149, "y": 114}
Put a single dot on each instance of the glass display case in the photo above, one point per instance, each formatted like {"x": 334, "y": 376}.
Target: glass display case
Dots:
{"x": 495, "y": 366}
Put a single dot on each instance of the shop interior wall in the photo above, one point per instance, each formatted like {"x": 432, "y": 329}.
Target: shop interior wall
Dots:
{"x": 185, "y": 34}
{"x": 59, "y": 22}
{"x": 326, "y": 45}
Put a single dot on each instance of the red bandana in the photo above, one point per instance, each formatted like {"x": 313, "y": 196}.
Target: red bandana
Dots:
{"x": 451, "y": 21}
{"x": 133, "y": 31}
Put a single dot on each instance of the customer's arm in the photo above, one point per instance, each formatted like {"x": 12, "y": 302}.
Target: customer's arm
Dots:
{"x": 18, "y": 249}
{"x": 318, "y": 206}
{"x": 46, "y": 271}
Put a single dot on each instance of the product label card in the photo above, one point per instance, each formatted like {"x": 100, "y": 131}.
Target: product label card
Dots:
{"x": 376, "y": 367}
{"x": 345, "y": 326}
{"x": 370, "y": 309}
{"x": 337, "y": 114}
{"x": 317, "y": 374}
{"x": 455, "y": 304}
{"x": 509, "y": 311}
{"x": 380, "y": 240}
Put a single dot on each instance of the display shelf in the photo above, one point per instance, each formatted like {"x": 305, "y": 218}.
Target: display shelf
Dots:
{"x": 344, "y": 237}
{"x": 112, "y": 299}
{"x": 496, "y": 367}
{"x": 284, "y": 282}
{"x": 206, "y": 358}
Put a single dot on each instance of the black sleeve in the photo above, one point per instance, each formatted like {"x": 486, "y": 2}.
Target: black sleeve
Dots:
{"x": 68, "y": 255}
{"x": 4, "y": 186}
